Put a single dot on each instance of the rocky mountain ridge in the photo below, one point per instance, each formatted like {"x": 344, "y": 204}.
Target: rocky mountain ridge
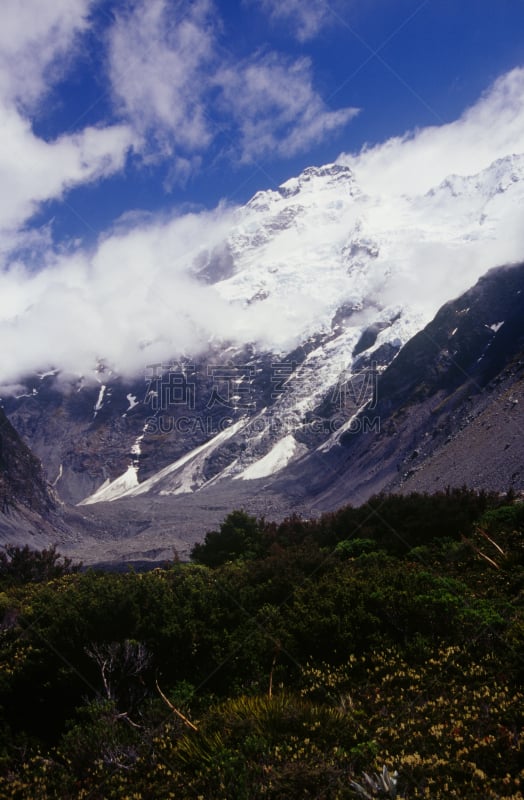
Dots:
{"x": 448, "y": 410}
{"x": 319, "y": 258}
{"x": 356, "y": 401}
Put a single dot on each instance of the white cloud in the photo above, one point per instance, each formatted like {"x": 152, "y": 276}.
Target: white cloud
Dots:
{"x": 275, "y": 107}
{"x": 36, "y": 40}
{"x": 159, "y": 60}
{"x": 33, "y": 170}
{"x": 491, "y": 129}
{"x": 447, "y": 251}
{"x": 128, "y": 302}
{"x": 34, "y": 36}
{"x": 307, "y": 17}
{"x": 177, "y": 86}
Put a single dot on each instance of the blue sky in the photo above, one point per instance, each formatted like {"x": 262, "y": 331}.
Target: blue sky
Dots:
{"x": 403, "y": 64}
{"x": 136, "y": 127}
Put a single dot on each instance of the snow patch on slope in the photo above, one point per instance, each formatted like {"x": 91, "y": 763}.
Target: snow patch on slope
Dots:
{"x": 180, "y": 477}
{"x": 113, "y": 490}
{"x": 496, "y": 326}
{"x": 100, "y": 401}
{"x": 131, "y": 399}
{"x": 286, "y": 450}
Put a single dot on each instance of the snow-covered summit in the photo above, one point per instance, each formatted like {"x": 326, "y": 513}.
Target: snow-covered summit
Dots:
{"x": 320, "y": 241}
{"x": 325, "y": 279}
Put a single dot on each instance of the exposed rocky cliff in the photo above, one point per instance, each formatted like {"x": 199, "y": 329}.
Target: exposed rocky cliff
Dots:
{"x": 449, "y": 408}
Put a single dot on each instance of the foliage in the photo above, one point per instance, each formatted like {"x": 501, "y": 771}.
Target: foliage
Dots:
{"x": 238, "y": 537}
{"x": 20, "y": 565}
{"x": 393, "y": 524}
{"x": 316, "y": 659}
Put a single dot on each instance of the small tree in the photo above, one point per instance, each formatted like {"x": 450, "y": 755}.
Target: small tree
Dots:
{"x": 20, "y": 565}
{"x": 240, "y": 537}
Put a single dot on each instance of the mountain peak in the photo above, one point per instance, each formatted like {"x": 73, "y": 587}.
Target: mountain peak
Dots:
{"x": 334, "y": 173}
{"x": 312, "y": 179}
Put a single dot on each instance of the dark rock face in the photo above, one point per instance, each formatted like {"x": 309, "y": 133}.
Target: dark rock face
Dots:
{"x": 79, "y": 446}
{"x": 30, "y": 513}
{"x": 87, "y": 434}
{"x": 22, "y": 482}
{"x": 369, "y": 337}
{"x": 471, "y": 340}
{"x": 450, "y": 408}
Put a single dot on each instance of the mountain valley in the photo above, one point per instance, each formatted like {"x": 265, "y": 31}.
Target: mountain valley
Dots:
{"x": 358, "y": 389}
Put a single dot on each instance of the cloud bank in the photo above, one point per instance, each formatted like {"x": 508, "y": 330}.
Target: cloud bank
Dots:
{"x": 125, "y": 303}
{"x": 133, "y": 298}
{"x": 420, "y": 160}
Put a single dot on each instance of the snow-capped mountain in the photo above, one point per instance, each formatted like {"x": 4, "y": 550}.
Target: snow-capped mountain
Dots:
{"x": 324, "y": 284}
